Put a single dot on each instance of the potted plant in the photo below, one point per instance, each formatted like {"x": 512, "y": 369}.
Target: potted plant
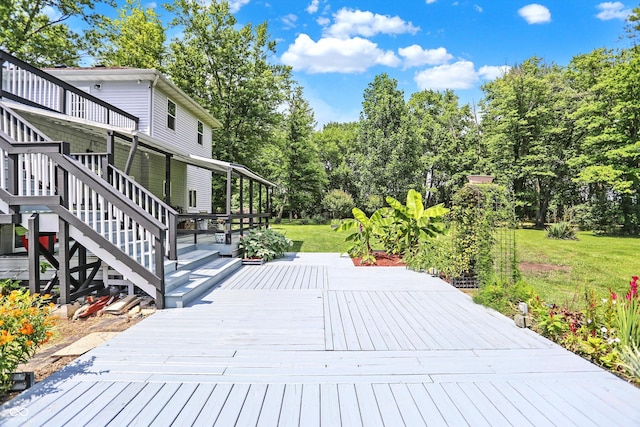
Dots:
{"x": 263, "y": 245}
{"x": 220, "y": 233}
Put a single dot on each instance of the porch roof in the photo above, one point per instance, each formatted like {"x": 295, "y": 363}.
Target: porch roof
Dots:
{"x": 149, "y": 142}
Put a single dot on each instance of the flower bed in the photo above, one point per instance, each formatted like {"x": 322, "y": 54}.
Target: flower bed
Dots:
{"x": 25, "y": 324}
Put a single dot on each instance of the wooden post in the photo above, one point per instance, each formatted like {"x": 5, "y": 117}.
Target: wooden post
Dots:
{"x": 64, "y": 271}
{"x": 227, "y": 237}
{"x": 251, "y": 203}
{"x": 260, "y": 203}
{"x": 33, "y": 235}
{"x": 241, "y": 206}
{"x": 167, "y": 179}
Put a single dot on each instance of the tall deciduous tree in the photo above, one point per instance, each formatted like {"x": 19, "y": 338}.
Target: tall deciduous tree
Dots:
{"x": 226, "y": 68}
{"x": 38, "y": 31}
{"x": 609, "y": 157}
{"x": 449, "y": 140}
{"x": 298, "y": 168}
{"x": 336, "y": 144}
{"x": 134, "y": 39}
{"x": 387, "y": 162}
{"x": 528, "y": 127}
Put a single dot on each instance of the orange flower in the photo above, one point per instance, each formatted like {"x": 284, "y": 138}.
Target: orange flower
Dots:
{"x": 29, "y": 343}
{"x": 5, "y": 337}
{"x": 27, "y": 329}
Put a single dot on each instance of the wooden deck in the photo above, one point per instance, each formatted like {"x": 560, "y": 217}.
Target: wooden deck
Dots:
{"x": 314, "y": 341}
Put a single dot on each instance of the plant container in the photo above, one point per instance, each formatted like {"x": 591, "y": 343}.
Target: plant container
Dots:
{"x": 21, "y": 380}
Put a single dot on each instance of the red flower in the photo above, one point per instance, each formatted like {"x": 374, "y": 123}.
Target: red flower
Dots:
{"x": 633, "y": 288}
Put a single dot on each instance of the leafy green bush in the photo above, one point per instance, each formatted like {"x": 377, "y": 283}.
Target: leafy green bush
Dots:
{"x": 412, "y": 224}
{"x": 264, "y": 243}
{"x": 504, "y": 297}
{"x": 338, "y": 203}
{"x": 561, "y": 231}
{"x": 482, "y": 219}
{"x": 365, "y": 230}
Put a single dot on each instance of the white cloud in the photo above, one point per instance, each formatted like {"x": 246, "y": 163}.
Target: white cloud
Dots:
{"x": 236, "y": 5}
{"x": 289, "y": 20}
{"x": 313, "y": 6}
{"x": 323, "y": 21}
{"x": 478, "y": 9}
{"x": 431, "y": 1}
{"x": 333, "y": 55}
{"x": 151, "y": 5}
{"x": 612, "y": 10}
{"x": 415, "y": 56}
{"x": 349, "y": 22}
{"x": 51, "y": 12}
{"x": 492, "y": 72}
{"x": 535, "y": 14}
{"x": 459, "y": 75}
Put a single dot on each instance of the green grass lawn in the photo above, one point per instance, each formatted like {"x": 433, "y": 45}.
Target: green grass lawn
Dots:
{"x": 313, "y": 238}
{"x": 573, "y": 265}
{"x": 561, "y": 270}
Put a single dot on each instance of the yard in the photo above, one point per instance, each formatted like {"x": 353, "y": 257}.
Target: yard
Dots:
{"x": 560, "y": 270}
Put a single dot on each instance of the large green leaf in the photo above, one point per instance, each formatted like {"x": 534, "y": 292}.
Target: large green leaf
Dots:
{"x": 414, "y": 204}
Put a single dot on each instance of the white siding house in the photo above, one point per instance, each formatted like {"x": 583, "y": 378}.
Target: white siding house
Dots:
{"x": 166, "y": 114}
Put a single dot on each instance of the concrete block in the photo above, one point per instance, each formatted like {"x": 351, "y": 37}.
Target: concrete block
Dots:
{"x": 522, "y": 321}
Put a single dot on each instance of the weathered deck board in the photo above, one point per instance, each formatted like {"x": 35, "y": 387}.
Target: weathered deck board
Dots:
{"x": 314, "y": 341}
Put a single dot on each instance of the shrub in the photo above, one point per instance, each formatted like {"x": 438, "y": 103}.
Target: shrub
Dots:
{"x": 25, "y": 324}
{"x": 264, "y": 243}
{"x": 504, "y": 297}
{"x": 561, "y": 231}
{"x": 338, "y": 203}
{"x": 319, "y": 220}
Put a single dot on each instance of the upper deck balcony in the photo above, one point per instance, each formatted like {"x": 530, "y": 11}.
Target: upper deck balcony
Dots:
{"x": 28, "y": 85}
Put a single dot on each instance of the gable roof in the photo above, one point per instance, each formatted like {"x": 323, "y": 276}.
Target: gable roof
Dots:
{"x": 102, "y": 74}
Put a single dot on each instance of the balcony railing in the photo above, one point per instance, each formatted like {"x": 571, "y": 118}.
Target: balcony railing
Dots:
{"x": 31, "y": 86}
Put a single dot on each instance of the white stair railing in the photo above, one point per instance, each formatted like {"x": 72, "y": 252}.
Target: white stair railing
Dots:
{"x": 96, "y": 205}
{"x": 150, "y": 203}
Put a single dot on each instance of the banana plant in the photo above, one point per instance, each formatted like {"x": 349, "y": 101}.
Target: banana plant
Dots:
{"x": 365, "y": 230}
{"x": 414, "y": 223}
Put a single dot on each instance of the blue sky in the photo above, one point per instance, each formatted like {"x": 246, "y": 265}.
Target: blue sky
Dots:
{"x": 337, "y": 47}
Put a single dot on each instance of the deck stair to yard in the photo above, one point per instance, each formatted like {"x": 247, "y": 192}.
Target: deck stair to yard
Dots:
{"x": 199, "y": 269}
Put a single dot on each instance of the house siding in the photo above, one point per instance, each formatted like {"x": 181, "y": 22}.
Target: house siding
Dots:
{"x": 130, "y": 96}
{"x": 185, "y": 138}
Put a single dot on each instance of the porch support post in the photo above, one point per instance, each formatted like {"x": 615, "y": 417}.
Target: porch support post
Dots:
{"x": 33, "y": 235}
{"x": 64, "y": 271}
{"x": 111, "y": 147}
{"x": 251, "y": 203}
{"x": 132, "y": 154}
{"x": 260, "y": 203}
{"x": 227, "y": 237}
{"x": 12, "y": 173}
{"x": 167, "y": 179}
{"x": 241, "y": 206}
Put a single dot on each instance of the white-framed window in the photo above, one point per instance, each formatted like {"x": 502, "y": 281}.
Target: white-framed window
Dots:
{"x": 193, "y": 199}
{"x": 171, "y": 114}
{"x": 200, "y": 132}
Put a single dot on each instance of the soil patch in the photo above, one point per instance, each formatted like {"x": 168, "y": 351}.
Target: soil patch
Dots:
{"x": 541, "y": 267}
{"x": 66, "y": 332}
{"x": 383, "y": 259}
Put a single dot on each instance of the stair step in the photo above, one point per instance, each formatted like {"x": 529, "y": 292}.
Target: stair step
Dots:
{"x": 200, "y": 281}
{"x": 196, "y": 258}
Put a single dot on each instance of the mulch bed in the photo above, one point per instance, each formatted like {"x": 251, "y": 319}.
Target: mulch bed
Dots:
{"x": 382, "y": 260}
